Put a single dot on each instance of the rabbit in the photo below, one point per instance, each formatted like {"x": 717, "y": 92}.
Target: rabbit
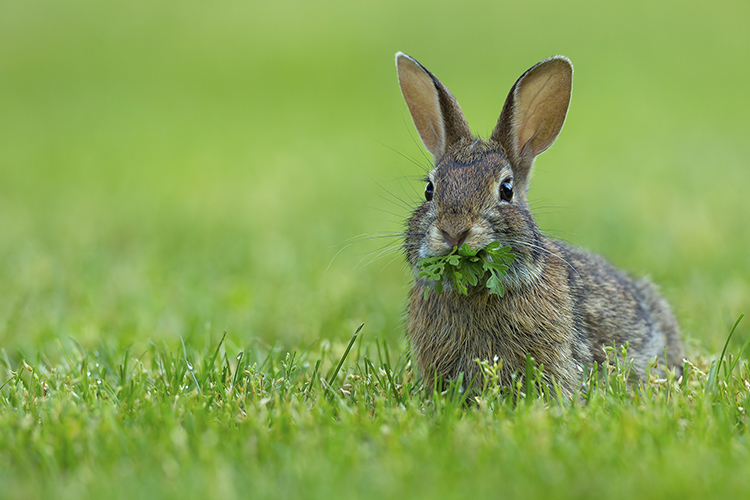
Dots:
{"x": 562, "y": 305}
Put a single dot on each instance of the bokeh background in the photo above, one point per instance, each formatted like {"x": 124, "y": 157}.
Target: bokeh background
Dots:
{"x": 174, "y": 169}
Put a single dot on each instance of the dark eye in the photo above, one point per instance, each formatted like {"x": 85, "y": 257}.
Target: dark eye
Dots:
{"x": 506, "y": 190}
{"x": 428, "y": 190}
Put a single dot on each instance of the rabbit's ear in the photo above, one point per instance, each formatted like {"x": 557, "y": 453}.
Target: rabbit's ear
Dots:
{"x": 436, "y": 113}
{"x": 534, "y": 113}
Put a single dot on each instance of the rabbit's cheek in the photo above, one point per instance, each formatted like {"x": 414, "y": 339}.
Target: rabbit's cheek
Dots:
{"x": 481, "y": 235}
{"x": 434, "y": 243}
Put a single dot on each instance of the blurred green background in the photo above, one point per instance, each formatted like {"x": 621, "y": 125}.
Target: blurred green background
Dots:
{"x": 176, "y": 169}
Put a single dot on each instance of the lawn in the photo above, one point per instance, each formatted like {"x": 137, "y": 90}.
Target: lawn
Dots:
{"x": 200, "y": 203}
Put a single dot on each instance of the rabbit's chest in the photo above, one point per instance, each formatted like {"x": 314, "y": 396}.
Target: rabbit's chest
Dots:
{"x": 483, "y": 326}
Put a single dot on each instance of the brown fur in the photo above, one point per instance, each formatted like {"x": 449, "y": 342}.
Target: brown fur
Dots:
{"x": 562, "y": 305}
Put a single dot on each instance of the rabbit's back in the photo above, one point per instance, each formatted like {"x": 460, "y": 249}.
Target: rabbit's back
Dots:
{"x": 610, "y": 308}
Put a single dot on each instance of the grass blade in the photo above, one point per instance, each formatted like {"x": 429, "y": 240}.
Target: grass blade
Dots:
{"x": 343, "y": 358}
{"x": 716, "y": 365}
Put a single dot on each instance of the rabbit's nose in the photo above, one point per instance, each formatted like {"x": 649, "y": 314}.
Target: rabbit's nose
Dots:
{"x": 455, "y": 240}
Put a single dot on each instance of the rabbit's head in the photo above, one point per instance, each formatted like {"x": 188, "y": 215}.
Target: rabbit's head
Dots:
{"x": 476, "y": 193}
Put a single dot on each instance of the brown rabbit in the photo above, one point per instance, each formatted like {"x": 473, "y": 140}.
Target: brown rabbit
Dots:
{"x": 561, "y": 305}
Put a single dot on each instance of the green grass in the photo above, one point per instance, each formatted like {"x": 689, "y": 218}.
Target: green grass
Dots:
{"x": 223, "y": 422}
{"x": 170, "y": 171}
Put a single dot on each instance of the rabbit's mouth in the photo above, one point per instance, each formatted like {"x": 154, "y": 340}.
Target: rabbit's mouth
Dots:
{"x": 439, "y": 241}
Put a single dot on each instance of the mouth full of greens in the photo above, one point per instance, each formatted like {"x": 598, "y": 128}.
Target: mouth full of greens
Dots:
{"x": 464, "y": 267}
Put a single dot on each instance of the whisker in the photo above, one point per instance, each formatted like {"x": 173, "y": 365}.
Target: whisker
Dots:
{"x": 390, "y": 262}
{"x": 548, "y": 253}
{"x": 372, "y": 237}
{"x": 429, "y": 161}
{"x": 404, "y": 155}
{"x": 395, "y": 200}
{"x": 404, "y": 190}
{"x": 380, "y": 253}
{"x": 365, "y": 237}
{"x": 557, "y": 232}
{"x": 401, "y": 217}
{"x": 336, "y": 255}
{"x": 410, "y": 180}
{"x": 372, "y": 232}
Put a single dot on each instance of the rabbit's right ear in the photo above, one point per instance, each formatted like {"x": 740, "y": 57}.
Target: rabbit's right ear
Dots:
{"x": 436, "y": 113}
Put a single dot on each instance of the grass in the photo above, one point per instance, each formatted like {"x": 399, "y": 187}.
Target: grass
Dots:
{"x": 223, "y": 422}
{"x": 171, "y": 171}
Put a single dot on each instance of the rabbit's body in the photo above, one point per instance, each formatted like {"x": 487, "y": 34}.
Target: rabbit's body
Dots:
{"x": 561, "y": 305}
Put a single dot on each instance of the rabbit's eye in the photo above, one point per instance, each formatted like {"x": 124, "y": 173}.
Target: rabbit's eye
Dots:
{"x": 428, "y": 190}
{"x": 506, "y": 190}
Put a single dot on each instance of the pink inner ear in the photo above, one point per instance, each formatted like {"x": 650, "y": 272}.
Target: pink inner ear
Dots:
{"x": 541, "y": 104}
{"x": 530, "y": 105}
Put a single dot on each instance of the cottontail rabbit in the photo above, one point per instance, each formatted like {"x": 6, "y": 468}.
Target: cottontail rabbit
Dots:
{"x": 561, "y": 305}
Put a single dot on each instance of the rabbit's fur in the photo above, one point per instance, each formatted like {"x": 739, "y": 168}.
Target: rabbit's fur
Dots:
{"x": 561, "y": 305}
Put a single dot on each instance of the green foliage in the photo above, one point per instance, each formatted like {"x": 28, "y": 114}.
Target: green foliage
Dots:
{"x": 465, "y": 267}
{"x": 339, "y": 419}
{"x": 169, "y": 170}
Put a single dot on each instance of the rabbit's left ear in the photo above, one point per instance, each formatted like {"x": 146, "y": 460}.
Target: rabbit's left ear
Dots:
{"x": 534, "y": 113}
{"x": 436, "y": 113}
